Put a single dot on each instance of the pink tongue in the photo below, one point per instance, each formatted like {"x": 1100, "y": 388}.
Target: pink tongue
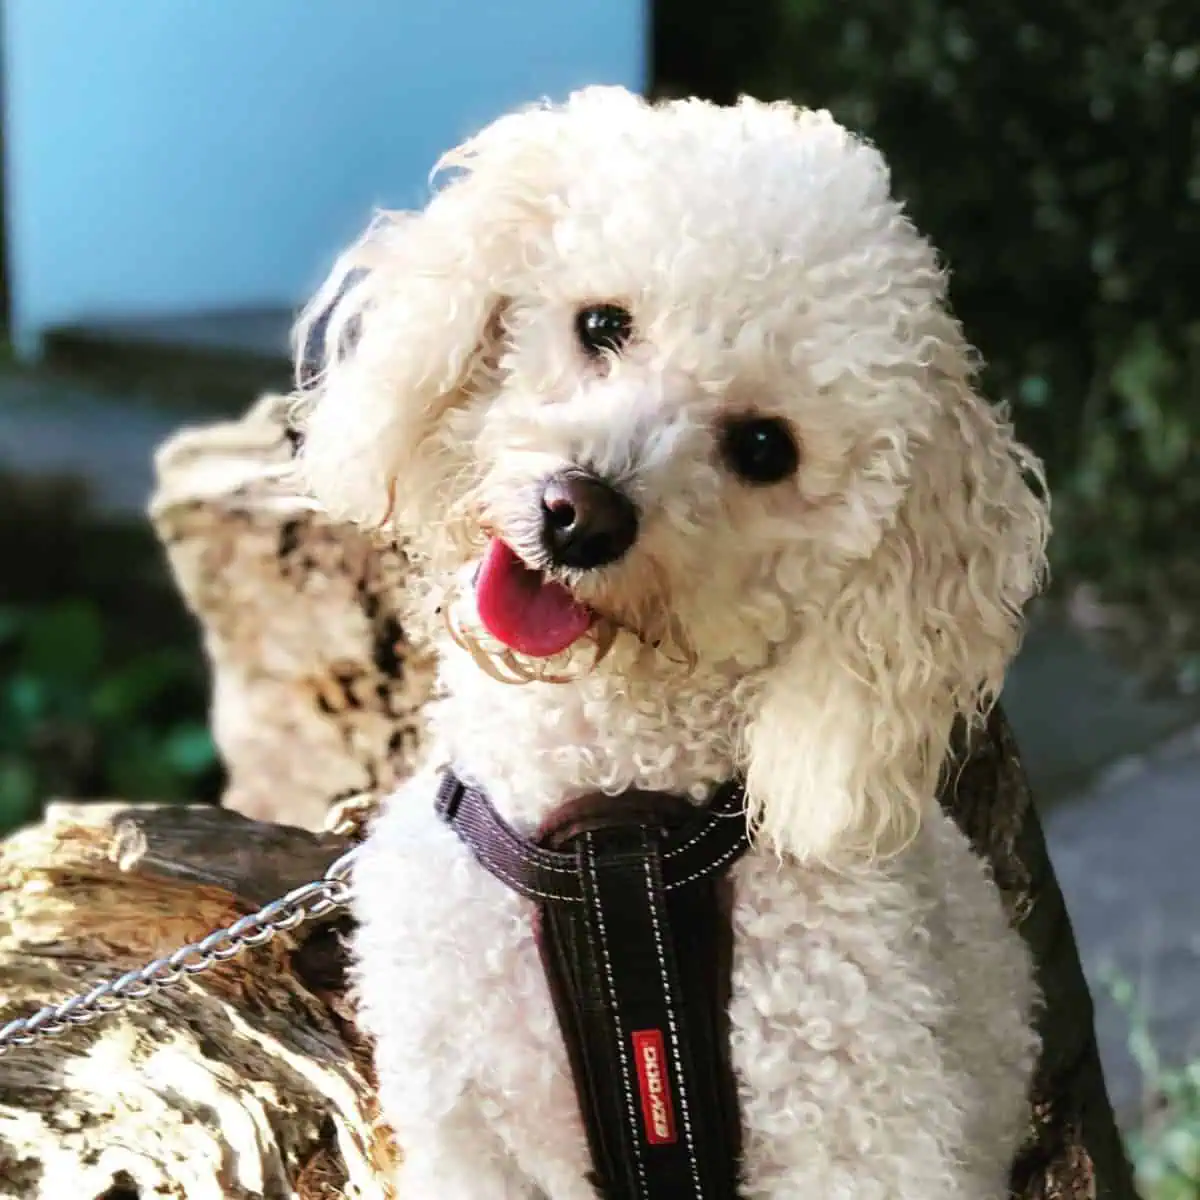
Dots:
{"x": 523, "y": 609}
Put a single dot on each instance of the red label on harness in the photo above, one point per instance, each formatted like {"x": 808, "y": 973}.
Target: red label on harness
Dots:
{"x": 658, "y": 1112}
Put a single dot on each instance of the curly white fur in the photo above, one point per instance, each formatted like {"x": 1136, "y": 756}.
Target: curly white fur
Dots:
{"x": 829, "y": 629}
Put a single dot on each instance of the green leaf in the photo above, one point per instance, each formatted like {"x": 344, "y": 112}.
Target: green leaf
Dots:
{"x": 137, "y": 768}
{"x": 64, "y": 644}
{"x": 131, "y": 692}
{"x": 18, "y": 793}
{"x": 27, "y": 699}
{"x": 1033, "y": 391}
{"x": 1181, "y": 1147}
{"x": 1145, "y": 379}
{"x": 12, "y": 621}
{"x": 189, "y": 750}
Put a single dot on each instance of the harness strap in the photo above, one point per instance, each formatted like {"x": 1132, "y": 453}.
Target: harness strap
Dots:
{"x": 633, "y": 926}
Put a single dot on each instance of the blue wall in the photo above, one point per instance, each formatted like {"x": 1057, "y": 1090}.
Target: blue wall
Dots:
{"x": 173, "y": 155}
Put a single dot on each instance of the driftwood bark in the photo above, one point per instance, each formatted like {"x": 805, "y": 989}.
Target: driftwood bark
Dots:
{"x": 1074, "y": 1150}
{"x": 246, "y": 1081}
{"x": 318, "y": 695}
{"x": 317, "y": 692}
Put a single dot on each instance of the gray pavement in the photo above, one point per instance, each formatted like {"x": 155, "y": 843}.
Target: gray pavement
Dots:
{"x": 1127, "y": 853}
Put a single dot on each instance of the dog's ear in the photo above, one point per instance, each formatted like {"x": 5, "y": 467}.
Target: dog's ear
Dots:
{"x": 405, "y": 327}
{"x": 844, "y": 751}
{"x": 311, "y": 336}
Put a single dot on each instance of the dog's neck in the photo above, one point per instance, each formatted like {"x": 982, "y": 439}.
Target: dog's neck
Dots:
{"x": 533, "y": 746}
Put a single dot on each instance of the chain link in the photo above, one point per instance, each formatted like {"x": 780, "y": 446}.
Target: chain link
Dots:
{"x": 301, "y": 904}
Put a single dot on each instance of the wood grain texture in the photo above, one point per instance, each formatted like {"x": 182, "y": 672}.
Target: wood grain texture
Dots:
{"x": 317, "y": 689}
{"x": 247, "y": 1081}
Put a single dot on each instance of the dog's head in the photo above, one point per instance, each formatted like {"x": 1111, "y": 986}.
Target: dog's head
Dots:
{"x": 685, "y": 374}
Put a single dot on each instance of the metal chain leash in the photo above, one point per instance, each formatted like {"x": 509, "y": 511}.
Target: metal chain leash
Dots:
{"x": 304, "y": 903}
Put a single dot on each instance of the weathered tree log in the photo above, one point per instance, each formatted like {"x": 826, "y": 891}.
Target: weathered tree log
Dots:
{"x": 317, "y": 695}
{"x": 1074, "y": 1149}
{"x": 317, "y": 692}
{"x": 245, "y": 1081}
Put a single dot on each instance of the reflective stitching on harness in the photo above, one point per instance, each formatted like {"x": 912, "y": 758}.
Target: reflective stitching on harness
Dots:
{"x": 675, "y": 1056}
{"x": 709, "y": 828}
{"x": 709, "y": 870}
{"x": 522, "y": 890}
{"x": 543, "y": 858}
{"x": 675, "y": 851}
{"x": 630, "y": 1106}
{"x": 586, "y": 968}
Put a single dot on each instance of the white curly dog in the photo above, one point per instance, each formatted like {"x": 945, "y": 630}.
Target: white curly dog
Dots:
{"x": 666, "y": 403}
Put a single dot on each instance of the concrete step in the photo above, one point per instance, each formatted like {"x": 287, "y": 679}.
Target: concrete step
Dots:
{"x": 54, "y": 426}
{"x": 208, "y": 360}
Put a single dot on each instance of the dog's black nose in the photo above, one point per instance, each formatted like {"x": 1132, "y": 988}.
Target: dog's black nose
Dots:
{"x": 586, "y": 522}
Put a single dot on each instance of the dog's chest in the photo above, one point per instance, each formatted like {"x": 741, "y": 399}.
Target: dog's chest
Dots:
{"x": 861, "y": 1003}
{"x": 448, "y": 970}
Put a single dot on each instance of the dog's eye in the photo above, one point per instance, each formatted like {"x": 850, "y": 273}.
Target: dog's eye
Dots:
{"x": 601, "y": 327}
{"x": 760, "y": 449}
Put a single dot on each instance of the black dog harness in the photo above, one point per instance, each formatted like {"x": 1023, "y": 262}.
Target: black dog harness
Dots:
{"x": 634, "y": 930}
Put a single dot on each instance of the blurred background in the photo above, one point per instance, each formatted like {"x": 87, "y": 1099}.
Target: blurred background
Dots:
{"x": 177, "y": 178}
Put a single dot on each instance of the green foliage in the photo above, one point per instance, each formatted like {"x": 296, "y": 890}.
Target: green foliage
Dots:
{"x": 1052, "y": 151}
{"x": 1166, "y": 1149}
{"x": 75, "y": 721}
